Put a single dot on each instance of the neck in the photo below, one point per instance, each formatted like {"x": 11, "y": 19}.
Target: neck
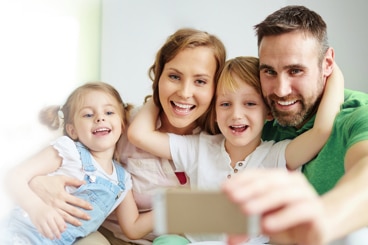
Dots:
{"x": 239, "y": 153}
{"x": 167, "y": 127}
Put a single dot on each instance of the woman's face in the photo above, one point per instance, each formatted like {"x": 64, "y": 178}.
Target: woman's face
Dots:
{"x": 186, "y": 88}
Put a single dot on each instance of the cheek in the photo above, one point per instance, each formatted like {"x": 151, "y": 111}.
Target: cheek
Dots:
{"x": 266, "y": 88}
{"x": 165, "y": 88}
{"x": 205, "y": 97}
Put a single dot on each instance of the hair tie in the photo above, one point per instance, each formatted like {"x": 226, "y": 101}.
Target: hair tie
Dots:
{"x": 61, "y": 113}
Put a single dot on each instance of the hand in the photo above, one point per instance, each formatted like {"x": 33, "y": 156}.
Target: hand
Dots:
{"x": 48, "y": 222}
{"x": 291, "y": 211}
{"x": 51, "y": 189}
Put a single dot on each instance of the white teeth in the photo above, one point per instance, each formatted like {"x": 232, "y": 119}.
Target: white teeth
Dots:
{"x": 101, "y": 129}
{"x": 238, "y": 126}
{"x": 286, "y": 102}
{"x": 183, "y": 106}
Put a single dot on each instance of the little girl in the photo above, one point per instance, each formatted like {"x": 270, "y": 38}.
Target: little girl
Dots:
{"x": 94, "y": 117}
{"x": 239, "y": 114}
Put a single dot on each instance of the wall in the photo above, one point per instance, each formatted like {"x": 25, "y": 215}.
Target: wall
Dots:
{"x": 47, "y": 48}
{"x": 134, "y": 30}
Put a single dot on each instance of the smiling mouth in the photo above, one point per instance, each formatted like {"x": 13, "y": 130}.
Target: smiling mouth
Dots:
{"x": 286, "y": 103}
{"x": 238, "y": 128}
{"x": 101, "y": 130}
{"x": 182, "y": 107}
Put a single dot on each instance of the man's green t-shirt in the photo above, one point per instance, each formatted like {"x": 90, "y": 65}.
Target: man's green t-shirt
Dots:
{"x": 350, "y": 127}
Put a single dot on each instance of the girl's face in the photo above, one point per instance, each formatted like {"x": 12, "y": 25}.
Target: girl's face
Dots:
{"x": 240, "y": 115}
{"x": 97, "y": 122}
{"x": 186, "y": 88}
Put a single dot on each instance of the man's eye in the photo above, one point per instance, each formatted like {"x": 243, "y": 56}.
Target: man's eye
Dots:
{"x": 295, "y": 71}
{"x": 268, "y": 72}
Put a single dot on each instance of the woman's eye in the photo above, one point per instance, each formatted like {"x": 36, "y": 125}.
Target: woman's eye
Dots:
{"x": 201, "y": 82}
{"x": 174, "y": 77}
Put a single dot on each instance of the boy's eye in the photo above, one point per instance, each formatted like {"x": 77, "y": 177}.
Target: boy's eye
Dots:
{"x": 225, "y": 104}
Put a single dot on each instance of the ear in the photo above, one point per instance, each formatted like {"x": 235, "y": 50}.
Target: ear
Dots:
{"x": 71, "y": 131}
{"x": 328, "y": 62}
{"x": 269, "y": 116}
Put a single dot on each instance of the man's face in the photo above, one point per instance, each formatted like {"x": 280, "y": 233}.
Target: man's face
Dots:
{"x": 291, "y": 76}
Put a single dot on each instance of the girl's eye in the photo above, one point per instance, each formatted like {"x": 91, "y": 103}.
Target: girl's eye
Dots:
{"x": 250, "y": 104}
{"x": 110, "y": 113}
{"x": 88, "y": 115}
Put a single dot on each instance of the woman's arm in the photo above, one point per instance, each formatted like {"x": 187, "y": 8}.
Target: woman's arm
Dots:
{"x": 133, "y": 224}
{"x": 143, "y": 134}
{"x": 307, "y": 145}
{"x": 51, "y": 189}
{"x": 46, "y": 219}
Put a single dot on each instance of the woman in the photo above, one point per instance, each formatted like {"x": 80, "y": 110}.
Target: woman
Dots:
{"x": 184, "y": 76}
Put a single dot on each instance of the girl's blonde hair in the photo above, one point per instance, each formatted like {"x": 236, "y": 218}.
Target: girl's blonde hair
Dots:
{"x": 247, "y": 69}
{"x": 55, "y": 116}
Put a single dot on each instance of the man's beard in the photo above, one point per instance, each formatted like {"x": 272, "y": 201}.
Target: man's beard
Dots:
{"x": 293, "y": 118}
{"x": 290, "y": 118}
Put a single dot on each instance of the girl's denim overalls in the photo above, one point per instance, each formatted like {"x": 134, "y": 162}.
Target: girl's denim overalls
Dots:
{"x": 99, "y": 192}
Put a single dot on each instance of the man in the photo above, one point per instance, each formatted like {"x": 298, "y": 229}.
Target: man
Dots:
{"x": 329, "y": 200}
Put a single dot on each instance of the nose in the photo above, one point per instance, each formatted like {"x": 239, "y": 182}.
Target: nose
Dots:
{"x": 100, "y": 118}
{"x": 186, "y": 90}
{"x": 237, "y": 112}
{"x": 282, "y": 86}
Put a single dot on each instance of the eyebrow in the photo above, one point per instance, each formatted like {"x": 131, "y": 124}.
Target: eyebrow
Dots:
{"x": 196, "y": 75}
{"x": 264, "y": 66}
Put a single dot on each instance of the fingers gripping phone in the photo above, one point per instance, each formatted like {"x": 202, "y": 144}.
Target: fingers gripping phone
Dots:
{"x": 194, "y": 211}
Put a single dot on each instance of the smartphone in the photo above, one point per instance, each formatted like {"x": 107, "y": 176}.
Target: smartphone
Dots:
{"x": 181, "y": 211}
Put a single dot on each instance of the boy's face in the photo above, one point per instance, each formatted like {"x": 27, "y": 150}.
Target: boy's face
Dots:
{"x": 241, "y": 114}
{"x": 291, "y": 77}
